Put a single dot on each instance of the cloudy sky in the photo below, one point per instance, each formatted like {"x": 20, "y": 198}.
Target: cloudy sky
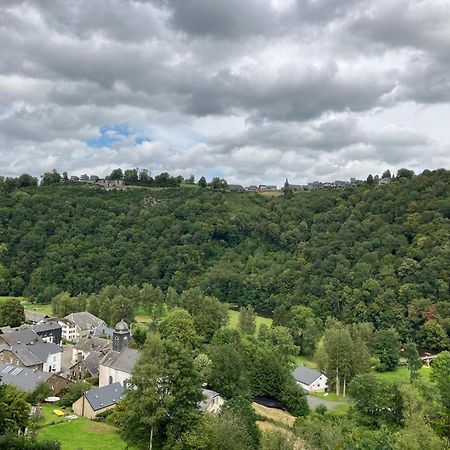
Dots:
{"x": 251, "y": 90}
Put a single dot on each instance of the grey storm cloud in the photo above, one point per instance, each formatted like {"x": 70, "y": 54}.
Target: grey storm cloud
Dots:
{"x": 254, "y": 89}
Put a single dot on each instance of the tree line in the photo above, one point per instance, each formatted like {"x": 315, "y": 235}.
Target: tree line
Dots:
{"x": 366, "y": 254}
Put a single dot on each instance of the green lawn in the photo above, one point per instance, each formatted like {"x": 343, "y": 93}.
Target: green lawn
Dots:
{"x": 80, "y": 433}
{"x": 401, "y": 375}
{"x": 3, "y": 299}
{"x": 234, "y": 320}
{"x": 303, "y": 360}
{"x": 42, "y": 308}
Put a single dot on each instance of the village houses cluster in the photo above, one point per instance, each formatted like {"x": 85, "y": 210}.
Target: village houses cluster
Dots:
{"x": 60, "y": 351}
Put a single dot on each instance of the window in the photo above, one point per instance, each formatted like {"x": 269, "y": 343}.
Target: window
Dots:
{"x": 110, "y": 379}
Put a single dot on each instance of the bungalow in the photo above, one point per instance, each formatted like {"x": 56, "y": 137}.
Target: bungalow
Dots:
{"x": 98, "y": 400}
{"x": 27, "y": 379}
{"x": 309, "y": 379}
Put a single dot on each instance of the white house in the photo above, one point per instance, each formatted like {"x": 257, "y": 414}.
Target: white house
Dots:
{"x": 80, "y": 324}
{"x": 309, "y": 379}
{"x": 68, "y": 329}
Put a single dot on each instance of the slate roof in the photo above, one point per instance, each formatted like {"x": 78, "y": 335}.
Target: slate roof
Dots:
{"x": 92, "y": 361}
{"x": 34, "y": 316}
{"x": 89, "y": 344}
{"x": 22, "y": 377}
{"x": 46, "y": 326}
{"x": 305, "y": 375}
{"x": 44, "y": 349}
{"x": 36, "y": 353}
{"x": 123, "y": 361}
{"x": 21, "y": 337}
{"x": 103, "y": 331}
{"x": 85, "y": 320}
{"x": 105, "y": 396}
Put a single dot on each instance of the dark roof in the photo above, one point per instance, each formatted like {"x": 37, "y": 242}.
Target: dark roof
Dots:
{"x": 305, "y": 375}
{"x": 123, "y": 361}
{"x": 36, "y": 353}
{"x": 103, "y": 331}
{"x": 105, "y": 396}
{"x": 22, "y": 377}
{"x": 92, "y": 361}
{"x": 46, "y": 326}
{"x": 44, "y": 349}
{"x": 269, "y": 402}
{"x": 21, "y": 337}
{"x": 85, "y": 320}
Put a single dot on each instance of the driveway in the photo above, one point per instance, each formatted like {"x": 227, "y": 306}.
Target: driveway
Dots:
{"x": 314, "y": 402}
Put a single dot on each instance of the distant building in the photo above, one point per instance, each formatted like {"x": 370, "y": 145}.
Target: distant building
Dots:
{"x": 267, "y": 188}
{"x": 252, "y": 188}
{"x": 93, "y": 178}
{"x": 341, "y": 184}
{"x": 235, "y": 188}
{"x": 118, "y": 363}
{"x": 84, "y": 177}
{"x": 309, "y": 379}
{"x": 384, "y": 181}
{"x": 98, "y": 400}
{"x": 74, "y": 178}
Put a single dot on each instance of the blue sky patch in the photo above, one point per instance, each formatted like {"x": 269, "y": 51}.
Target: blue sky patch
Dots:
{"x": 109, "y": 135}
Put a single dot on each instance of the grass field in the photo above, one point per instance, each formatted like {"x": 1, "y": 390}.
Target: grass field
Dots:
{"x": 401, "y": 375}
{"x": 234, "y": 320}
{"x": 80, "y": 433}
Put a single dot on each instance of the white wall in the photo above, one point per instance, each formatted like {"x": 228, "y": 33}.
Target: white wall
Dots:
{"x": 53, "y": 363}
{"x": 117, "y": 376}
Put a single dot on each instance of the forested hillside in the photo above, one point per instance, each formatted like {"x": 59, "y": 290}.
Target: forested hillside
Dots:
{"x": 371, "y": 253}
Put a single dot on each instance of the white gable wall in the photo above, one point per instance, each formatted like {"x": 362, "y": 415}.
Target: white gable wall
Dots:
{"x": 318, "y": 385}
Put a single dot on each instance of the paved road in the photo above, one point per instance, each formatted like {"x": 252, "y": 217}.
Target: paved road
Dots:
{"x": 314, "y": 402}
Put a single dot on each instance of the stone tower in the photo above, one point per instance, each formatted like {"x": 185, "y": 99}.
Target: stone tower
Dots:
{"x": 121, "y": 336}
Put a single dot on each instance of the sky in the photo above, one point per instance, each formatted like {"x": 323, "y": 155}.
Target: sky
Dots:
{"x": 254, "y": 91}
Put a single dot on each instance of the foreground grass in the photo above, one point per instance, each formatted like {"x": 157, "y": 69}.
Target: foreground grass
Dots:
{"x": 80, "y": 433}
{"x": 234, "y": 320}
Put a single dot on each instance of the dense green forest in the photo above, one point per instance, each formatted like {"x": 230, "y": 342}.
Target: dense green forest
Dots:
{"x": 367, "y": 254}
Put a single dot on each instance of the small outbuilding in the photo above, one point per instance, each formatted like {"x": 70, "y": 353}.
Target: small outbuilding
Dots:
{"x": 98, "y": 400}
{"x": 309, "y": 379}
{"x": 212, "y": 401}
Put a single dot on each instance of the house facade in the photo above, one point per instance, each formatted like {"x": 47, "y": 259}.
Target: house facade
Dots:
{"x": 310, "y": 380}
{"x": 77, "y": 325}
{"x": 98, "y": 400}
